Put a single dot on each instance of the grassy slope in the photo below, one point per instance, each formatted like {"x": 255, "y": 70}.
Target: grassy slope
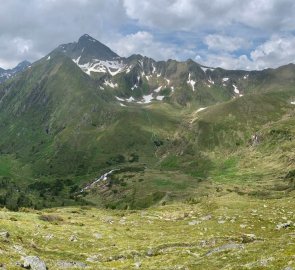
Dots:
{"x": 74, "y": 132}
{"x": 167, "y": 237}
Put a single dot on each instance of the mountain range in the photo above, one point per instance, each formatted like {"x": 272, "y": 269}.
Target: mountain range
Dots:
{"x": 6, "y": 74}
{"x": 83, "y": 125}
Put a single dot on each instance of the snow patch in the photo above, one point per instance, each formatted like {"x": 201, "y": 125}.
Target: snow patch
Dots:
{"x": 122, "y": 105}
{"x": 120, "y": 99}
{"x": 146, "y": 99}
{"x": 201, "y": 109}
{"x": 128, "y": 69}
{"x": 96, "y": 65}
{"x": 225, "y": 79}
{"x": 148, "y": 77}
{"x": 168, "y": 81}
{"x": 210, "y": 81}
{"x": 191, "y": 82}
{"x": 131, "y": 99}
{"x": 160, "y": 98}
{"x": 293, "y": 102}
{"x": 110, "y": 84}
{"x": 76, "y": 61}
{"x": 206, "y": 68}
{"x": 154, "y": 68}
{"x": 48, "y": 58}
{"x": 134, "y": 86}
{"x": 104, "y": 177}
{"x": 246, "y": 76}
{"x": 157, "y": 90}
{"x": 236, "y": 90}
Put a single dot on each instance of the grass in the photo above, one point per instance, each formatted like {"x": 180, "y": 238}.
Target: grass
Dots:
{"x": 108, "y": 239}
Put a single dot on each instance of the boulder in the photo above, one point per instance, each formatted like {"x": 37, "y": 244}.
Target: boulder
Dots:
{"x": 4, "y": 235}
{"x": 284, "y": 225}
{"x": 248, "y": 238}
{"x": 34, "y": 263}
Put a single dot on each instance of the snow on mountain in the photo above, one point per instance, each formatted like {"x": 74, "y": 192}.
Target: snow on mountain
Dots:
{"x": 236, "y": 90}
{"x": 101, "y": 66}
{"x": 191, "y": 82}
{"x": 10, "y": 73}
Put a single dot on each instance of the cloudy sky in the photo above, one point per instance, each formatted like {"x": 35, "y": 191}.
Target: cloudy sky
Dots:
{"x": 233, "y": 34}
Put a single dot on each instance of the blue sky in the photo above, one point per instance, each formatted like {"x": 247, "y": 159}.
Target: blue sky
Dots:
{"x": 233, "y": 34}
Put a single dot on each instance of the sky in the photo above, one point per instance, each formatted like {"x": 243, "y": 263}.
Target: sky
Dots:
{"x": 232, "y": 34}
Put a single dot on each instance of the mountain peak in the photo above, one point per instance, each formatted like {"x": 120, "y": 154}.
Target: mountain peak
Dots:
{"x": 87, "y": 49}
{"x": 23, "y": 64}
{"x": 87, "y": 38}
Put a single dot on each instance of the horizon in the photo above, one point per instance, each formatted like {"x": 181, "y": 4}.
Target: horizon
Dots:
{"x": 185, "y": 60}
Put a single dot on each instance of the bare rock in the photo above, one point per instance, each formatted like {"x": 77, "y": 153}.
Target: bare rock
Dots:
{"x": 284, "y": 225}
{"x": 73, "y": 238}
{"x": 248, "y": 238}
{"x": 4, "y": 235}
{"x": 34, "y": 263}
{"x": 207, "y": 217}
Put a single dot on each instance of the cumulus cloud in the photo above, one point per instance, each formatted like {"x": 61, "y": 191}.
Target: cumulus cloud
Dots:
{"x": 32, "y": 28}
{"x": 224, "y": 43}
{"x": 275, "y": 52}
{"x": 191, "y": 15}
{"x": 144, "y": 43}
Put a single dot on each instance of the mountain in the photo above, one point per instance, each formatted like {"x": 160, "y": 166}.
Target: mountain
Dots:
{"x": 10, "y": 73}
{"x": 83, "y": 125}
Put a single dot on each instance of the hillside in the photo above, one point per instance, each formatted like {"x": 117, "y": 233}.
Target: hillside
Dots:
{"x": 85, "y": 126}
{"x": 223, "y": 231}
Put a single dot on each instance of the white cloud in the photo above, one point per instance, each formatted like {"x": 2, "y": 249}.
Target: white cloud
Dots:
{"x": 275, "y": 52}
{"x": 224, "y": 43}
{"x": 191, "y": 15}
{"x": 30, "y": 29}
{"x": 144, "y": 43}
{"x": 227, "y": 61}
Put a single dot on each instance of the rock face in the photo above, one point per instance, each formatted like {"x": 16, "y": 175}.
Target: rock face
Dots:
{"x": 34, "y": 263}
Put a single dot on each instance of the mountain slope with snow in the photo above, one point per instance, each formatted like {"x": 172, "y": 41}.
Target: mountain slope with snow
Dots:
{"x": 10, "y": 73}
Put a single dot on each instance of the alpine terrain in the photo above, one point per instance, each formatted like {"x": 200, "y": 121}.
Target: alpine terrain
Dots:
{"x": 128, "y": 163}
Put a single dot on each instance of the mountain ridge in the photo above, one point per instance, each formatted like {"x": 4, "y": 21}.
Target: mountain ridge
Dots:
{"x": 6, "y": 74}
